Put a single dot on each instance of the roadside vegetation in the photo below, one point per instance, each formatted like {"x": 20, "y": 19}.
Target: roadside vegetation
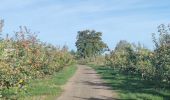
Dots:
{"x": 24, "y": 59}
{"x": 134, "y": 71}
{"x": 32, "y": 69}
{"x": 132, "y": 87}
{"x": 151, "y": 65}
{"x": 48, "y": 88}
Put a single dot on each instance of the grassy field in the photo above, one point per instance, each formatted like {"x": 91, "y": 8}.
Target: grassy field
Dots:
{"x": 132, "y": 87}
{"x": 45, "y": 89}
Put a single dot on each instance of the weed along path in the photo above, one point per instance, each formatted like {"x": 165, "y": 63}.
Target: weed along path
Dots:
{"x": 86, "y": 84}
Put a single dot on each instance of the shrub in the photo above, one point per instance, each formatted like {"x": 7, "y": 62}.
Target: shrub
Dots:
{"x": 151, "y": 65}
{"x": 24, "y": 57}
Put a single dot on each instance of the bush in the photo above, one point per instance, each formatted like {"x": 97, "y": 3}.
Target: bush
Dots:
{"x": 24, "y": 57}
{"x": 162, "y": 53}
{"x": 151, "y": 65}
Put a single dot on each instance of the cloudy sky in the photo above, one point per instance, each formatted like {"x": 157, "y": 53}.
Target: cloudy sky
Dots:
{"x": 59, "y": 20}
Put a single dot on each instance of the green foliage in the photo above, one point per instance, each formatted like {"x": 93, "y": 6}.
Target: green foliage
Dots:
{"x": 89, "y": 44}
{"x": 162, "y": 53}
{"x": 122, "y": 45}
{"x": 145, "y": 63}
{"x": 123, "y": 57}
{"x": 135, "y": 59}
{"x": 49, "y": 87}
{"x": 24, "y": 57}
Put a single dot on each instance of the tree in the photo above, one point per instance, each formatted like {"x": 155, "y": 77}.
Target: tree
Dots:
{"x": 1, "y": 25}
{"x": 122, "y": 45}
{"x": 124, "y": 57}
{"x": 162, "y": 53}
{"x": 72, "y": 52}
{"x": 89, "y": 44}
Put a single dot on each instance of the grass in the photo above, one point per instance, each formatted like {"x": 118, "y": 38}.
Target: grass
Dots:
{"x": 132, "y": 87}
{"x": 45, "y": 89}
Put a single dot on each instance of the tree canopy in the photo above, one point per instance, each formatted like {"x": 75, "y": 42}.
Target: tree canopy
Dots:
{"x": 89, "y": 43}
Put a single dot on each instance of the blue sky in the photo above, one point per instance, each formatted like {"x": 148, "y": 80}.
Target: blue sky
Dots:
{"x": 59, "y": 20}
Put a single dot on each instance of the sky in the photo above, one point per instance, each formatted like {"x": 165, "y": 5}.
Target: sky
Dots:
{"x": 57, "y": 21}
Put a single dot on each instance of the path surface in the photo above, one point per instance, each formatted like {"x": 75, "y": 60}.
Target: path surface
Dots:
{"x": 86, "y": 85}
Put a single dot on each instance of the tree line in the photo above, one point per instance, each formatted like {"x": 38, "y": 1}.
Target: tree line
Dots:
{"x": 24, "y": 57}
{"x": 130, "y": 58}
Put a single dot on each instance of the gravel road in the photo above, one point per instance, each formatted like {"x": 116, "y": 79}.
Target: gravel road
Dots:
{"x": 86, "y": 84}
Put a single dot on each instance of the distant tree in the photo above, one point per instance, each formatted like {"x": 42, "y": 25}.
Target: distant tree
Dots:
{"x": 72, "y": 52}
{"x": 65, "y": 48}
{"x": 122, "y": 45}
{"x": 89, "y": 44}
{"x": 1, "y": 25}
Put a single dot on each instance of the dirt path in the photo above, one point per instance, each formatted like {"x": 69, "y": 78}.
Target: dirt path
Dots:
{"x": 86, "y": 85}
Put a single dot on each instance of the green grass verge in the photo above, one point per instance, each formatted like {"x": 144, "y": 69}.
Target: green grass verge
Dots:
{"x": 132, "y": 87}
{"x": 46, "y": 89}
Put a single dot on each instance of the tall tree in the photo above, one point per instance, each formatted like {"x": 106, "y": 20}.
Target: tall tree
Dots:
{"x": 89, "y": 43}
{"x": 162, "y": 53}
